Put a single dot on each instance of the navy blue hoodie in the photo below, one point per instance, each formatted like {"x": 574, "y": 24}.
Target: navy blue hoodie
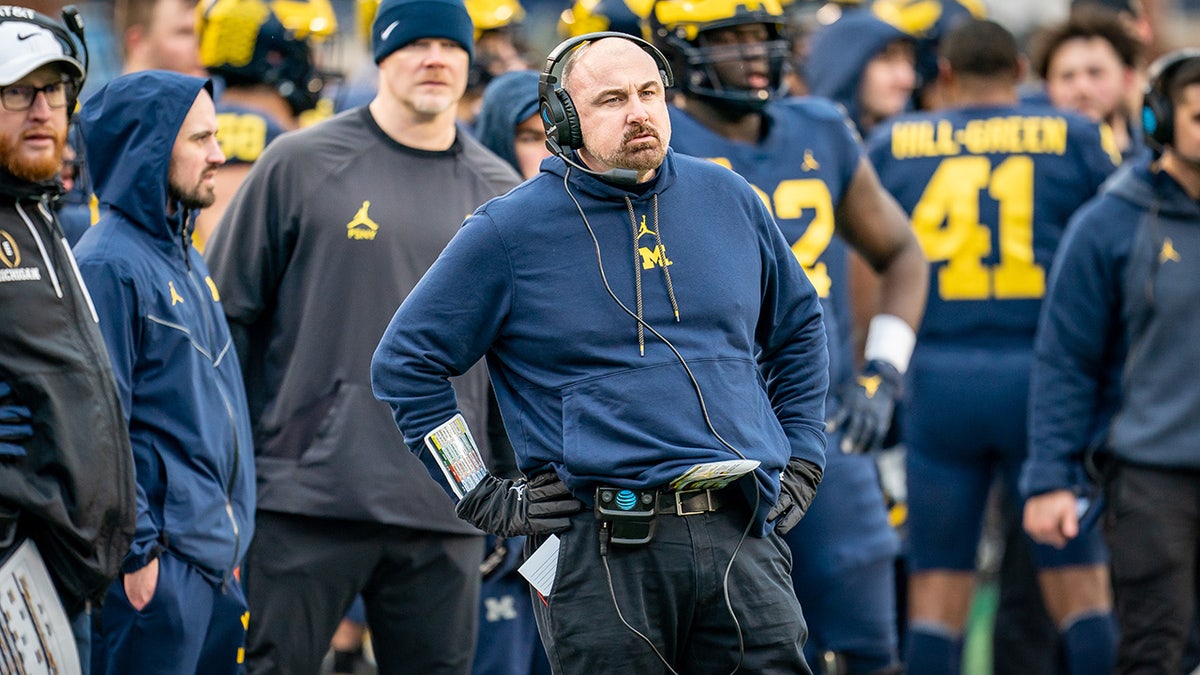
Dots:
{"x": 177, "y": 373}
{"x": 508, "y": 100}
{"x": 1116, "y": 347}
{"x": 840, "y": 53}
{"x": 521, "y": 283}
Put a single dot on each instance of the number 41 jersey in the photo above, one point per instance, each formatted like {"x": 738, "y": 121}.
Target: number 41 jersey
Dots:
{"x": 990, "y": 191}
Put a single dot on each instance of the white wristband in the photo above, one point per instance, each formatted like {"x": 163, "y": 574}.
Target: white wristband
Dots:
{"x": 890, "y": 339}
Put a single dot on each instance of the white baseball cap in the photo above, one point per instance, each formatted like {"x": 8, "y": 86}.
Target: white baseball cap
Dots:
{"x": 25, "y": 47}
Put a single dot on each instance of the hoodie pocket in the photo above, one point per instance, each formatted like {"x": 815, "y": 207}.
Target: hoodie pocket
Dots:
{"x": 633, "y": 422}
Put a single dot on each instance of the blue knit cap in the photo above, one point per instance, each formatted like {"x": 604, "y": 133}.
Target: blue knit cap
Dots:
{"x": 400, "y": 22}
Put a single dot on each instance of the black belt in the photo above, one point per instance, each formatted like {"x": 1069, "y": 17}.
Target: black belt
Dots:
{"x": 692, "y": 502}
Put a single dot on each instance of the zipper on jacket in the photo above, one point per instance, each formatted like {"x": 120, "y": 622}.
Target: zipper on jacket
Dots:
{"x": 48, "y": 216}
{"x": 41, "y": 249}
{"x": 183, "y": 240}
{"x": 79, "y": 278}
{"x": 210, "y": 331}
{"x": 233, "y": 474}
{"x": 216, "y": 357}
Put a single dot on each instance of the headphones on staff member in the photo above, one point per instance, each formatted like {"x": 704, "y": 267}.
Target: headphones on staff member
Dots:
{"x": 1158, "y": 113}
{"x": 74, "y": 24}
{"x": 563, "y": 132}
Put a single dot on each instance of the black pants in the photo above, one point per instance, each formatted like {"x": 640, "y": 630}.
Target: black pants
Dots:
{"x": 1024, "y": 639}
{"x": 1153, "y": 529}
{"x": 421, "y": 591}
{"x": 672, "y": 590}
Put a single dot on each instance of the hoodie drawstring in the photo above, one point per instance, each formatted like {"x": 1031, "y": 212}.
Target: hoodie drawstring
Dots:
{"x": 637, "y": 270}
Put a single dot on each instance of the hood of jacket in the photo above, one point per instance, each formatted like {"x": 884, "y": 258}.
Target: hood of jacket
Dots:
{"x": 508, "y": 100}
{"x": 129, "y": 143}
{"x": 840, "y": 53}
{"x": 1151, "y": 188}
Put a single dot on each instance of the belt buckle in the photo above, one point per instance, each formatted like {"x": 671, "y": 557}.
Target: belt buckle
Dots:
{"x": 679, "y": 497}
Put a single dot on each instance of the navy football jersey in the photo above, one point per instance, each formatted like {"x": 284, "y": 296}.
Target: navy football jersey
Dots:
{"x": 989, "y": 190}
{"x": 244, "y": 132}
{"x": 800, "y": 169}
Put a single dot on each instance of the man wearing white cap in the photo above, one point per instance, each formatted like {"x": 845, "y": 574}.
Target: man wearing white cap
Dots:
{"x": 66, "y": 469}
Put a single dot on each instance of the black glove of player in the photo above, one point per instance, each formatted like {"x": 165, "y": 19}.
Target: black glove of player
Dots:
{"x": 797, "y": 487}
{"x": 866, "y": 407}
{"x": 509, "y": 508}
{"x": 16, "y": 424}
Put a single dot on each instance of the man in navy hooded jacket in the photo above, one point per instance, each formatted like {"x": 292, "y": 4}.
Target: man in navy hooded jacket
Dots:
{"x": 177, "y": 607}
{"x": 864, "y": 64}
{"x": 1116, "y": 347}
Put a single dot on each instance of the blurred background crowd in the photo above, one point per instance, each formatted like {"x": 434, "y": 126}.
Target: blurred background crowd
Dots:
{"x": 536, "y": 26}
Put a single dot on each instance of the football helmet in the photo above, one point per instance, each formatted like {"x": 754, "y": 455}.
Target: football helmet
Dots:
{"x": 928, "y": 21}
{"x": 595, "y": 16}
{"x": 364, "y": 16}
{"x": 266, "y": 42}
{"x": 494, "y": 14}
{"x": 684, "y": 30}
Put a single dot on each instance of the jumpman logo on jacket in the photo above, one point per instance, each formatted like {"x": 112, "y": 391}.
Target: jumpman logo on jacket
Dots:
{"x": 810, "y": 163}
{"x": 1168, "y": 252}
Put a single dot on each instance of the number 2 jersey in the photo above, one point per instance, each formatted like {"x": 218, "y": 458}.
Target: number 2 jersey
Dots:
{"x": 989, "y": 190}
{"x": 800, "y": 169}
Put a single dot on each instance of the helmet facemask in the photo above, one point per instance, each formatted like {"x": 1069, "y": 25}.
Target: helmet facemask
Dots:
{"x": 736, "y": 62}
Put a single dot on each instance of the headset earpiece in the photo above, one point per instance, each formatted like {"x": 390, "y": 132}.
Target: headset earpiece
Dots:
{"x": 561, "y": 121}
{"x": 1158, "y": 113}
{"x": 1158, "y": 123}
{"x": 559, "y": 118}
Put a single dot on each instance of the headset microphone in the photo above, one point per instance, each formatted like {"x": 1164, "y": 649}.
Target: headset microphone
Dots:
{"x": 615, "y": 175}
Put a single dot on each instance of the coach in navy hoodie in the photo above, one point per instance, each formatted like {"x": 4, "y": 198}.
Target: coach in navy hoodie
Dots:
{"x": 632, "y": 330}
{"x": 177, "y": 607}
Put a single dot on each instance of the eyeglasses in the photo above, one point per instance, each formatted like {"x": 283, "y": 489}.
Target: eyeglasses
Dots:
{"x": 19, "y": 97}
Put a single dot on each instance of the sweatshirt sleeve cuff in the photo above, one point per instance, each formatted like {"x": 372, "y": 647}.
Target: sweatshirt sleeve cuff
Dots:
{"x": 140, "y": 555}
{"x": 808, "y": 444}
{"x": 1041, "y": 477}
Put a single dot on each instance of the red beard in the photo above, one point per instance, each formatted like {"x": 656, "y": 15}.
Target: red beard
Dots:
{"x": 35, "y": 169}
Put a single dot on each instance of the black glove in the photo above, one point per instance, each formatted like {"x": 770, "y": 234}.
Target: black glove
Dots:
{"x": 797, "y": 487}
{"x": 16, "y": 424}
{"x": 866, "y": 407}
{"x": 509, "y": 508}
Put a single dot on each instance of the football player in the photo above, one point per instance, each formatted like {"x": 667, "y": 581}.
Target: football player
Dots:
{"x": 990, "y": 184}
{"x": 268, "y": 82}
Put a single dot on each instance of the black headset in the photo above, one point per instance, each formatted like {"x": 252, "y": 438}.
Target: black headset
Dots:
{"x": 563, "y": 132}
{"x": 1158, "y": 113}
{"x": 74, "y": 24}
